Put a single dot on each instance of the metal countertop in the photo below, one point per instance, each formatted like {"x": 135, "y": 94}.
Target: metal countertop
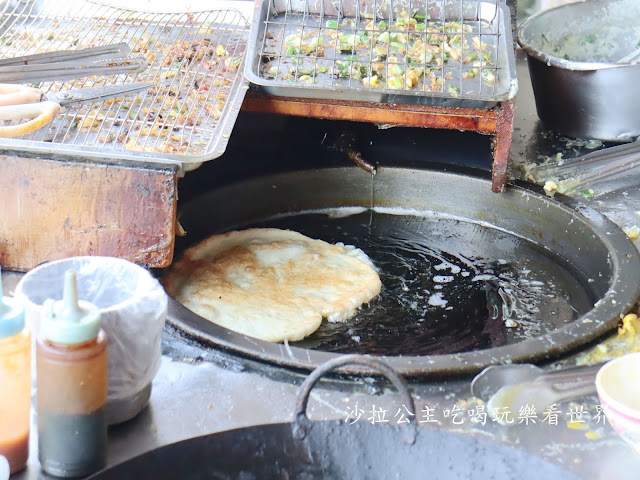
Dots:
{"x": 198, "y": 392}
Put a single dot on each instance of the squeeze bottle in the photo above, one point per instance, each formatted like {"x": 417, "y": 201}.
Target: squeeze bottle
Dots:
{"x": 15, "y": 383}
{"x": 71, "y": 379}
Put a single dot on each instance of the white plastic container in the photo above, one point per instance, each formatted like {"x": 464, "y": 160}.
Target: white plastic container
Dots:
{"x": 133, "y": 306}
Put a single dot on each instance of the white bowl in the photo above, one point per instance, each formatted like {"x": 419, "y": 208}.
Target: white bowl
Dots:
{"x": 618, "y": 385}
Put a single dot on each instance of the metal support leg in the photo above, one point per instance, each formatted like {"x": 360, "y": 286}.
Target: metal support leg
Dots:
{"x": 501, "y": 147}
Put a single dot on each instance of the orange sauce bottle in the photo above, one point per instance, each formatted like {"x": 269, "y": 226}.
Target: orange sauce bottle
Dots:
{"x": 15, "y": 383}
{"x": 72, "y": 386}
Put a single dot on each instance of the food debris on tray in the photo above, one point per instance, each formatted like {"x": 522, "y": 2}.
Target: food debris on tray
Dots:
{"x": 410, "y": 53}
{"x": 194, "y": 64}
{"x": 627, "y": 340}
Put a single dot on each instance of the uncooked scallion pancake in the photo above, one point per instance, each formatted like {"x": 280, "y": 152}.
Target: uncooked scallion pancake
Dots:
{"x": 272, "y": 284}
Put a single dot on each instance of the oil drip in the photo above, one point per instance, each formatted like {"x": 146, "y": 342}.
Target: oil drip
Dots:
{"x": 372, "y": 199}
{"x": 449, "y": 285}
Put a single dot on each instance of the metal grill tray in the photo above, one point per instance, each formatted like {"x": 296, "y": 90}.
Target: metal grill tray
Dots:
{"x": 196, "y": 62}
{"x": 275, "y": 49}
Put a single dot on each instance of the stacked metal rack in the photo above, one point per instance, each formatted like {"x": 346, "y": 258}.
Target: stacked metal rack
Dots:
{"x": 195, "y": 63}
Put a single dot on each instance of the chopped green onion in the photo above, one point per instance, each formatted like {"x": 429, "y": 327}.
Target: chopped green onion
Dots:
{"x": 332, "y": 24}
{"x": 488, "y": 76}
{"x": 396, "y": 70}
{"x": 587, "y": 193}
{"x": 404, "y": 21}
{"x": 470, "y": 58}
{"x": 470, "y": 74}
{"x": 396, "y": 83}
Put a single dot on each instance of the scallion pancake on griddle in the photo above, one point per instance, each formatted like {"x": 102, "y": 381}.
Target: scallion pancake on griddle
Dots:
{"x": 272, "y": 284}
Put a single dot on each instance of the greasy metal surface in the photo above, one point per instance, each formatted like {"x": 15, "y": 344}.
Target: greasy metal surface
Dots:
{"x": 195, "y": 61}
{"x": 605, "y": 263}
{"x": 274, "y": 20}
{"x": 197, "y": 392}
{"x": 581, "y": 99}
{"x": 335, "y": 450}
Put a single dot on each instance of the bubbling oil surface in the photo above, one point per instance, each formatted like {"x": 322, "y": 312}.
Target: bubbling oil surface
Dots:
{"x": 449, "y": 285}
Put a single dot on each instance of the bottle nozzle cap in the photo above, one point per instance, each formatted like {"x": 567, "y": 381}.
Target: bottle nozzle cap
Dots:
{"x": 11, "y": 315}
{"x": 70, "y": 320}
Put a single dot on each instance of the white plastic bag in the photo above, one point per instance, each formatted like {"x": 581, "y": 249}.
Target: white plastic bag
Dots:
{"x": 134, "y": 309}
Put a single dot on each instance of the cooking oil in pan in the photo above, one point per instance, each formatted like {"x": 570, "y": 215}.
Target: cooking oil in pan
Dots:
{"x": 449, "y": 285}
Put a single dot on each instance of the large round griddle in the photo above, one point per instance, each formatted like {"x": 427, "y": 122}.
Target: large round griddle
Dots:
{"x": 586, "y": 257}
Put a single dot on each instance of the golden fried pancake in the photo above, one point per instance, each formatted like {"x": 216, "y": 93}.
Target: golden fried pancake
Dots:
{"x": 272, "y": 284}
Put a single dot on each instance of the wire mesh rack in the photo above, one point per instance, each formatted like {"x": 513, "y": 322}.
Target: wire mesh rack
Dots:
{"x": 432, "y": 52}
{"x": 196, "y": 64}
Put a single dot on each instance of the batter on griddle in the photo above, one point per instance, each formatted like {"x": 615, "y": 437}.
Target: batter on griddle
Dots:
{"x": 272, "y": 284}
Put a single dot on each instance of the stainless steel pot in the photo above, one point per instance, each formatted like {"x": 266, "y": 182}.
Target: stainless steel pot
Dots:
{"x": 582, "y": 98}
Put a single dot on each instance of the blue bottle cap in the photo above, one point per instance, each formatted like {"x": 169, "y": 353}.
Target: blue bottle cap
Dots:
{"x": 71, "y": 320}
{"x": 11, "y": 315}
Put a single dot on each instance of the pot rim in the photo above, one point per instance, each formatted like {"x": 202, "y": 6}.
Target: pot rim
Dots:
{"x": 623, "y": 290}
{"x": 552, "y": 60}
